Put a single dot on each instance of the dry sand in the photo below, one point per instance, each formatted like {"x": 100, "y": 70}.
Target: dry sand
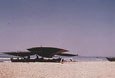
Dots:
{"x": 58, "y": 70}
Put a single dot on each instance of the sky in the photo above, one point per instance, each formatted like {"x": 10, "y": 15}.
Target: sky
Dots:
{"x": 86, "y": 27}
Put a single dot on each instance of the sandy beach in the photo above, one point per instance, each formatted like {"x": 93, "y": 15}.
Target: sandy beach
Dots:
{"x": 58, "y": 70}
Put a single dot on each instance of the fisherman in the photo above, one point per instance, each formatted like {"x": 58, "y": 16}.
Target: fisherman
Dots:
{"x": 37, "y": 57}
{"x": 28, "y": 57}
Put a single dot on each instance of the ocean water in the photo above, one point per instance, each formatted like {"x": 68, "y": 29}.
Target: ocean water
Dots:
{"x": 86, "y": 58}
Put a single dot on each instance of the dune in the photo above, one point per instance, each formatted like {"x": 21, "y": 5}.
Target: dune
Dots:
{"x": 58, "y": 70}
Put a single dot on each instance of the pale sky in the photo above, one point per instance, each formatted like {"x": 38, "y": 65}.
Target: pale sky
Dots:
{"x": 86, "y": 27}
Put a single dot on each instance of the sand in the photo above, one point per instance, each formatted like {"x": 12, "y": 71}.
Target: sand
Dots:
{"x": 58, "y": 70}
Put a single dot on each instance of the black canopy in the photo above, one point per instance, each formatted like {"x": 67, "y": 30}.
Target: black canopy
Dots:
{"x": 21, "y": 54}
{"x": 46, "y": 51}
